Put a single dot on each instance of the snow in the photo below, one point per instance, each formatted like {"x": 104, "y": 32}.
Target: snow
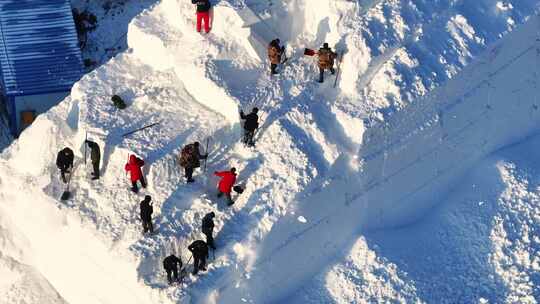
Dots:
{"x": 358, "y": 194}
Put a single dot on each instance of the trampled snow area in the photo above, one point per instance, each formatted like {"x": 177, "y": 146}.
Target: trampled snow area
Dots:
{"x": 415, "y": 180}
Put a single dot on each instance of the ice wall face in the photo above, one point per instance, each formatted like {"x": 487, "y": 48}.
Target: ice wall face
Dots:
{"x": 407, "y": 164}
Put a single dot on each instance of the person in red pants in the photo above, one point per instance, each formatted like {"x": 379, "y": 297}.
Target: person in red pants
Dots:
{"x": 203, "y": 14}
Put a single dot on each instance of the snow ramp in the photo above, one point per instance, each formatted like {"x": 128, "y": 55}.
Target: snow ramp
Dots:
{"x": 406, "y": 166}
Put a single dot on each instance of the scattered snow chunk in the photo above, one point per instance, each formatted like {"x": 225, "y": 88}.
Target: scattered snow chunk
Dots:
{"x": 502, "y": 6}
{"x": 239, "y": 250}
{"x": 302, "y": 219}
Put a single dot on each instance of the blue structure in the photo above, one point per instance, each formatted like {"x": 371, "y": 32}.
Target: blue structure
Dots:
{"x": 40, "y": 58}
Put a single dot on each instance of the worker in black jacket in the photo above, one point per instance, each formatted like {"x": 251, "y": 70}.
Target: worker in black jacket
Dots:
{"x": 171, "y": 264}
{"x": 199, "y": 249}
{"x": 64, "y": 162}
{"x": 208, "y": 229}
{"x": 250, "y": 125}
{"x": 146, "y": 214}
{"x": 95, "y": 157}
{"x": 203, "y": 14}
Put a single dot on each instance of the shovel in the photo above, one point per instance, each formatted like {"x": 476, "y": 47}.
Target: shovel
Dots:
{"x": 309, "y": 52}
{"x": 67, "y": 194}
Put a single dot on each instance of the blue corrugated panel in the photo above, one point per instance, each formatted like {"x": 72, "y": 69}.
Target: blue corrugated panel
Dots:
{"x": 39, "y": 49}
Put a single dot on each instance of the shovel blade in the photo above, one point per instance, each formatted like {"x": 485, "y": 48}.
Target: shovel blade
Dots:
{"x": 66, "y": 195}
{"x": 309, "y": 52}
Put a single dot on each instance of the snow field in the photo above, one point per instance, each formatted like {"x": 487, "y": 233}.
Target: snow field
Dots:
{"x": 305, "y": 165}
{"x": 477, "y": 246}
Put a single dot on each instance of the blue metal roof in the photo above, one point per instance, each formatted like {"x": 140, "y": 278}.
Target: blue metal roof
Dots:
{"x": 39, "y": 49}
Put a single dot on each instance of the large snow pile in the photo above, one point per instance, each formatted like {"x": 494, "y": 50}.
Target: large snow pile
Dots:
{"x": 354, "y": 194}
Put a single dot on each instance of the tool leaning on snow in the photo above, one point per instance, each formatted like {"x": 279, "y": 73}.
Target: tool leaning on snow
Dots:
{"x": 140, "y": 129}
{"x": 338, "y": 68}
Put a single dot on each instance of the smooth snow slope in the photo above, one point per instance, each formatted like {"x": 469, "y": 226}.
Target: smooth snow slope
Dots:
{"x": 479, "y": 245}
{"x": 194, "y": 84}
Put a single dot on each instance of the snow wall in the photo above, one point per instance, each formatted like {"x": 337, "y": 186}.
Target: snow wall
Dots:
{"x": 407, "y": 165}
{"x": 410, "y": 161}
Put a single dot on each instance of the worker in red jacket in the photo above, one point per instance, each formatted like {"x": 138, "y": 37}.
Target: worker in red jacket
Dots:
{"x": 134, "y": 166}
{"x": 228, "y": 178}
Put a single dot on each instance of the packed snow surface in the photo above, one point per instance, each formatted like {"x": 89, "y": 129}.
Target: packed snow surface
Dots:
{"x": 414, "y": 180}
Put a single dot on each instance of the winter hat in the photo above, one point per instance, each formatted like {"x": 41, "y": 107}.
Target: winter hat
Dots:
{"x": 196, "y": 143}
{"x": 233, "y": 170}
{"x": 255, "y": 110}
{"x": 325, "y": 45}
{"x": 147, "y": 198}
